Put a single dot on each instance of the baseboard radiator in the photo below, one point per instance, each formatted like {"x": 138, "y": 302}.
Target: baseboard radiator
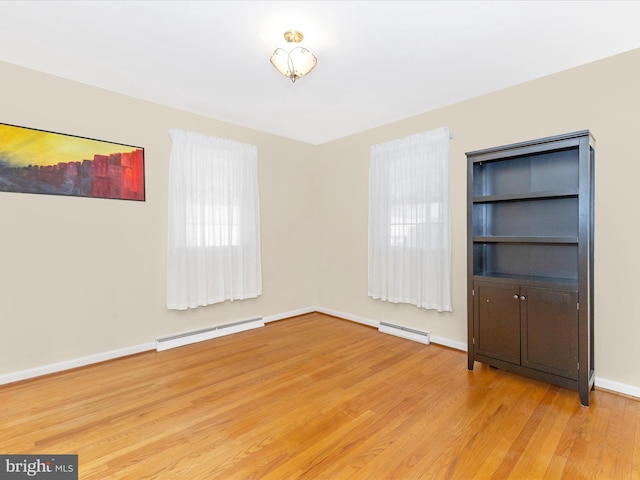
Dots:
{"x": 405, "y": 332}
{"x": 188, "y": 338}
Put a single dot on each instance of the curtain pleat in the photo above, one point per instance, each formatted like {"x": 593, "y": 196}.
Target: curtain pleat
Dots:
{"x": 214, "y": 221}
{"x": 409, "y": 221}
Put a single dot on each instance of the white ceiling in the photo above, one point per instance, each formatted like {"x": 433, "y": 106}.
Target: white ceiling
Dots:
{"x": 378, "y": 61}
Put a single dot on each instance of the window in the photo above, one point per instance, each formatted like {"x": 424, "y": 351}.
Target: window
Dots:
{"x": 409, "y": 226}
{"x": 212, "y": 224}
{"x": 214, "y": 221}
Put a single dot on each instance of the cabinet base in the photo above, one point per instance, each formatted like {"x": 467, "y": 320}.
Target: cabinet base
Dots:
{"x": 569, "y": 383}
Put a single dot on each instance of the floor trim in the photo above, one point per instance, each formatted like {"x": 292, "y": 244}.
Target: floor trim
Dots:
{"x": 603, "y": 383}
{"x": 617, "y": 387}
{"x": 74, "y": 363}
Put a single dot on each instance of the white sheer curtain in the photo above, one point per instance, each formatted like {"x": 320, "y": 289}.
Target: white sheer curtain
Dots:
{"x": 214, "y": 221}
{"x": 409, "y": 221}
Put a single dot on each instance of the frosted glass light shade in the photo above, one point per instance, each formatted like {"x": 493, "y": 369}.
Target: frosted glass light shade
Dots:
{"x": 294, "y": 64}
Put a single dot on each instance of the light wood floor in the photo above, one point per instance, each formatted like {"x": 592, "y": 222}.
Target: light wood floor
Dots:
{"x": 319, "y": 398}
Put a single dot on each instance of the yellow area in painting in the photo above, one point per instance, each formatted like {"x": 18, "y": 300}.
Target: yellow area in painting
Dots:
{"x": 20, "y": 147}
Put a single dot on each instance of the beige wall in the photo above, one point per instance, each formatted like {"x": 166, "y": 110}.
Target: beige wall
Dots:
{"x": 603, "y": 97}
{"x": 85, "y": 276}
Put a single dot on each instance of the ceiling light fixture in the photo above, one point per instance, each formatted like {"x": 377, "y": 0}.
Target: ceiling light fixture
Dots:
{"x": 295, "y": 63}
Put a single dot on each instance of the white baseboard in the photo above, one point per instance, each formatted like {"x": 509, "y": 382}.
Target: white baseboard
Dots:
{"x": 289, "y": 314}
{"x": 123, "y": 352}
{"x": 75, "y": 363}
{"x": 374, "y": 323}
{"x": 617, "y": 387}
{"x": 447, "y": 342}
{"x": 347, "y": 316}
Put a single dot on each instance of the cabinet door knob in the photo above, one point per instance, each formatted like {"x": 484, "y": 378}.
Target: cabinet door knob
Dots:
{"x": 523, "y": 297}
{"x": 515, "y": 296}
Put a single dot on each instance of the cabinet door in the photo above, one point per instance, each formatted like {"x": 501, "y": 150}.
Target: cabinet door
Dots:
{"x": 496, "y": 322}
{"x": 550, "y": 330}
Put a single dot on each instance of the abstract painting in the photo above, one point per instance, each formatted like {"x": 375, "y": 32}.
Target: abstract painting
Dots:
{"x": 38, "y": 161}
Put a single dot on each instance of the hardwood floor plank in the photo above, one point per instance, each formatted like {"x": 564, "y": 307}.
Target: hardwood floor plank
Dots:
{"x": 315, "y": 397}
{"x": 544, "y": 428}
{"x": 492, "y": 443}
{"x": 590, "y": 441}
{"x": 611, "y": 447}
{"x": 623, "y": 466}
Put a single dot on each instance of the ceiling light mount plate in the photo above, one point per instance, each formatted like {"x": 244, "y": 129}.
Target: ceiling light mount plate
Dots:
{"x": 293, "y": 36}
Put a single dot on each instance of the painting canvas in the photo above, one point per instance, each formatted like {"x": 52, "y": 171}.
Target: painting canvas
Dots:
{"x": 38, "y": 161}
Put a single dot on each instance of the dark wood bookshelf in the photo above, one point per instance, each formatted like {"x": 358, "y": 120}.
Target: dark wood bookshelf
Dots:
{"x": 530, "y": 259}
